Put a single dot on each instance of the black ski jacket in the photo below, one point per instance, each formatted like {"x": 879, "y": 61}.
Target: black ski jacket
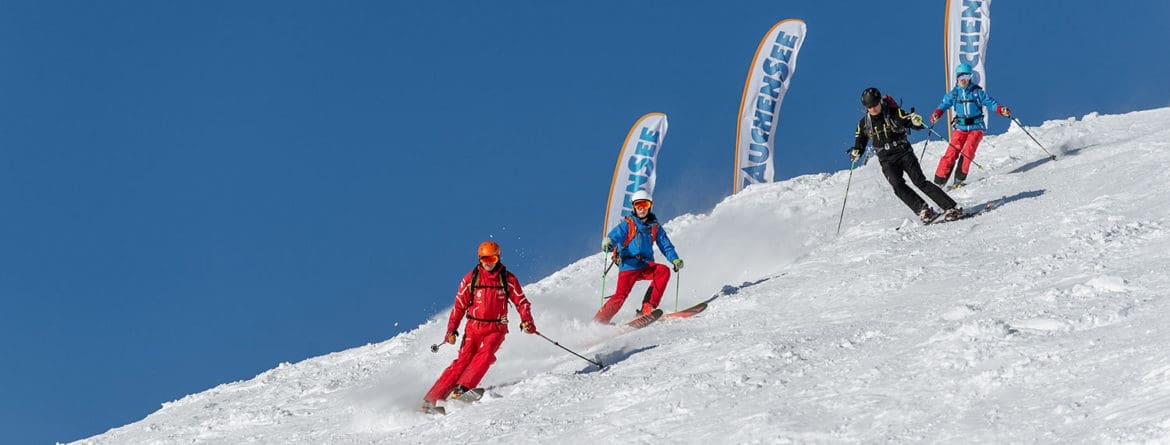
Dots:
{"x": 887, "y": 131}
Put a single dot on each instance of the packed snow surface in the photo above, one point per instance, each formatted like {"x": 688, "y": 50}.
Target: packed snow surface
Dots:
{"x": 1042, "y": 320}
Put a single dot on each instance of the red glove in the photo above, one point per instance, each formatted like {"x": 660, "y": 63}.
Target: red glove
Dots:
{"x": 1003, "y": 111}
{"x": 528, "y": 327}
{"x": 451, "y": 337}
{"x": 935, "y": 115}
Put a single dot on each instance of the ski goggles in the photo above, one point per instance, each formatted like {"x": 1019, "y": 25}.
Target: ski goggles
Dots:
{"x": 489, "y": 259}
{"x": 642, "y": 205}
{"x": 963, "y": 77}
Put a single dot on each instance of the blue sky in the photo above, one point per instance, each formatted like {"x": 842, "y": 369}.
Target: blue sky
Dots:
{"x": 194, "y": 192}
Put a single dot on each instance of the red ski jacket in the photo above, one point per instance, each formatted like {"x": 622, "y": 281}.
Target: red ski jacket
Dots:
{"x": 486, "y": 306}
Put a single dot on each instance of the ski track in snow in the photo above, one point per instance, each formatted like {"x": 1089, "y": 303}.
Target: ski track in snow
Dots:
{"x": 1039, "y": 321}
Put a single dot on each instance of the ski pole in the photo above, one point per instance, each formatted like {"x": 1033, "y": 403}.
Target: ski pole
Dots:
{"x": 1018, "y": 124}
{"x": 677, "y": 283}
{"x": 603, "y": 274}
{"x": 596, "y": 363}
{"x": 949, "y": 143}
{"x": 931, "y": 128}
{"x": 434, "y": 348}
{"x": 847, "y": 184}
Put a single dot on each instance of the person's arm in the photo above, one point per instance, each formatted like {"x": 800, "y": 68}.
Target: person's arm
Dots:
{"x": 860, "y": 139}
{"x": 947, "y": 101}
{"x": 992, "y": 104}
{"x": 462, "y": 302}
{"x": 516, "y": 295}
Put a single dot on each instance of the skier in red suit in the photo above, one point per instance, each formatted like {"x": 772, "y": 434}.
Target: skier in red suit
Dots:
{"x": 483, "y": 298}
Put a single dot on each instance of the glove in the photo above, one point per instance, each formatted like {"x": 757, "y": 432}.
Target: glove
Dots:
{"x": 935, "y": 115}
{"x": 528, "y": 327}
{"x": 606, "y": 244}
{"x": 854, "y": 153}
{"x": 1004, "y": 111}
{"x": 916, "y": 120}
{"x": 451, "y": 337}
{"x": 677, "y": 264}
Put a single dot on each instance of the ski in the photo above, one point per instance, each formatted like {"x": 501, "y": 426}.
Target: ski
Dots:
{"x": 470, "y": 395}
{"x": 643, "y": 320}
{"x": 975, "y": 211}
{"x": 688, "y": 312}
{"x": 979, "y": 210}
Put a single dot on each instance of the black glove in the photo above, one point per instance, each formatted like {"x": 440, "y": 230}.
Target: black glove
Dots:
{"x": 916, "y": 121}
{"x": 854, "y": 153}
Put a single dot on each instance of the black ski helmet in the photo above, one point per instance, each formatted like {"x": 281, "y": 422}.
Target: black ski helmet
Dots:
{"x": 870, "y": 97}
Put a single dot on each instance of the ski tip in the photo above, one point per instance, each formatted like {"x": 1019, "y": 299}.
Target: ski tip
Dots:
{"x": 645, "y": 319}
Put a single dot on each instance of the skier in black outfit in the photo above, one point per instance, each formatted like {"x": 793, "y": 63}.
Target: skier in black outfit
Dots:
{"x": 885, "y": 126}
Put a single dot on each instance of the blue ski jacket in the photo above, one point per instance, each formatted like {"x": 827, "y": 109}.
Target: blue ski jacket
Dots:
{"x": 640, "y": 252}
{"x": 968, "y": 103}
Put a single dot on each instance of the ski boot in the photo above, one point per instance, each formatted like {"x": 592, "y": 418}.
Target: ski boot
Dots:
{"x": 646, "y": 309}
{"x": 953, "y": 214}
{"x": 458, "y": 391}
{"x": 927, "y": 215}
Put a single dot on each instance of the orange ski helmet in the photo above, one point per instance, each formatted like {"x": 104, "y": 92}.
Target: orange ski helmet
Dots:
{"x": 489, "y": 248}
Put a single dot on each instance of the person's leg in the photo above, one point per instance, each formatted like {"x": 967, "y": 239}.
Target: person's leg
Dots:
{"x": 659, "y": 276}
{"x": 936, "y": 194}
{"x": 484, "y": 356}
{"x": 947, "y": 163}
{"x": 970, "y": 144}
{"x": 625, "y": 283}
{"x": 892, "y": 169}
{"x": 447, "y": 379}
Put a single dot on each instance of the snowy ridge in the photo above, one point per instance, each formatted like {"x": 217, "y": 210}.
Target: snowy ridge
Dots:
{"x": 1042, "y": 320}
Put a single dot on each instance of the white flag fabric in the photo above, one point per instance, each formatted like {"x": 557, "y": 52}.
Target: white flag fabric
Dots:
{"x": 759, "y": 110}
{"x": 635, "y": 168}
{"x": 968, "y": 25}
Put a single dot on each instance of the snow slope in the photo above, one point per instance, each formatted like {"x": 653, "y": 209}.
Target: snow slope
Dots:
{"x": 1040, "y": 321}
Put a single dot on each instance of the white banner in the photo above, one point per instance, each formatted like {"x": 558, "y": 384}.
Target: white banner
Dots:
{"x": 968, "y": 25}
{"x": 759, "y": 110}
{"x": 635, "y": 168}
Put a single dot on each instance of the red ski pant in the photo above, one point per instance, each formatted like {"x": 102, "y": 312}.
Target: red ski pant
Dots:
{"x": 658, "y": 274}
{"x": 964, "y": 143}
{"x": 476, "y": 355}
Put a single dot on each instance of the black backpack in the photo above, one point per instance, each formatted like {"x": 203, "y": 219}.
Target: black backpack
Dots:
{"x": 891, "y": 105}
{"x": 503, "y": 280}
